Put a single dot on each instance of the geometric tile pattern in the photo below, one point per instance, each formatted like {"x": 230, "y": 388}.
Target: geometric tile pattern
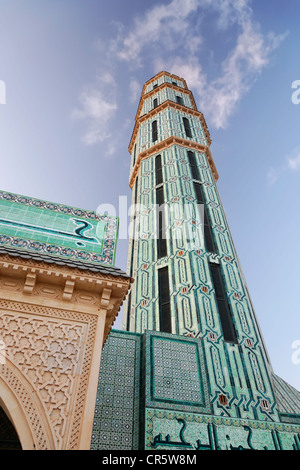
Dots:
{"x": 63, "y": 231}
{"x": 288, "y": 401}
{"x": 167, "y": 407}
{"x": 196, "y": 389}
{"x": 175, "y": 370}
{"x": 288, "y": 398}
{"x": 116, "y": 418}
{"x": 166, "y": 430}
{"x": 239, "y": 372}
{"x": 175, "y": 373}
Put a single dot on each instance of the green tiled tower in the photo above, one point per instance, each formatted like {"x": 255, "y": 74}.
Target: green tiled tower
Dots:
{"x": 202, "y": 377}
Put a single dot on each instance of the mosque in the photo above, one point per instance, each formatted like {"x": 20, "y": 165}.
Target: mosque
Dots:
{"x": 189, "y": 370}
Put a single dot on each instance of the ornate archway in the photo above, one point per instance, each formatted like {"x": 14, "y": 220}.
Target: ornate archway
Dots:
{"x": 54, "y": 321}
{"x": 9, "y": 439}
{"x": 20, "y": 409}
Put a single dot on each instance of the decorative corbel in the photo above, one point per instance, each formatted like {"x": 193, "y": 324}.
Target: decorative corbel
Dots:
{"x": 29, "y": 283}
{"x": 105, "y": 298}
{"x": 69, "y": 289}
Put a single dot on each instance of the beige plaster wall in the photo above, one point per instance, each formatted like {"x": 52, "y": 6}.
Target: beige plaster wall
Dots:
{"x": 53, "y": 324}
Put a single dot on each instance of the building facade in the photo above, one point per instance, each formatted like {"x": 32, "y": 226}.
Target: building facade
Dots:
{"x": 59, "y": 297}
{"x": 190, "y": 369}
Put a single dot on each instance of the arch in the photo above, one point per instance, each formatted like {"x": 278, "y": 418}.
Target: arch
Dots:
{"x": 14, "y": 411}
{"x": 9, "y": 439}
{"x": 20, "y": 402}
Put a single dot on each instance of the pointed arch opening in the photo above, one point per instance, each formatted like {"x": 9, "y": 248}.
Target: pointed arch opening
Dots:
{"x": 9, "y": 439}
{"x": 14, "y": 419}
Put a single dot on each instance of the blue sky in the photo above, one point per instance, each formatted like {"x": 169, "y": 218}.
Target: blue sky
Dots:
{"x": 74, "y": 71}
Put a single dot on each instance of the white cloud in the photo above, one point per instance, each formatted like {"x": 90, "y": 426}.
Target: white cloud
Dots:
{"x": 96, "y": 111}
{"x": 135, "y": 90}
{"x": 193, "y": 44}
{"x": 162, "y": 23}
{"x": 273, "y": 175}
{"x": 107, "y": 78}
{"x": 170, "y": 37}
{"x": 239, "y": 71}
{"x": 291, "y": 164}
{"x": 294, "y": 160}
{"x": 176, "y": 27}
{"x": 189, "y": 68}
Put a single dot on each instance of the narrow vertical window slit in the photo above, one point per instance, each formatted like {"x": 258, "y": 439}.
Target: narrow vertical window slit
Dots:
{"x": 164, "y": 300}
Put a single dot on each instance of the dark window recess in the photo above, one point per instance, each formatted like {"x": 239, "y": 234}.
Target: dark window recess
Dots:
{"x": 187, "y": 127}
{"x": 158, "y": 170}
{"x": 193, "y": 165}
{"x": 128, "y": 313}
{"x": 133, "y": 228}
{"x": 134, "y": 154}
{"x": 155, "y": 103}
{"x": 154, "y": 131}
{"x": 179, "y": 100}
{"x": 228, "y": 328}
{"x": 208, "y": 236}
{"x": 132, "y": 254}
{"x": 161, "y": 236}
{"x": 164, "y": 300}
{"x": 160, "y": 199}
{"x": 199, "y": 193}
{"x": 155, "y": 86}
{"x": 174, "y": 83}
{"x": 136, "y": 189}
{"x": 9, "y": 439}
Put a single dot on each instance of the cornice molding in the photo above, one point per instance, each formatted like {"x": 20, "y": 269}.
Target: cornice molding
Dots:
{"x": 18, "y": 264}
{"x": 173, "y": 140}
{"x": 150, "y": 93}
{"x": 161, "y": 74}
{"x": 163, "y": 106}
{"x": 63, "y": 287}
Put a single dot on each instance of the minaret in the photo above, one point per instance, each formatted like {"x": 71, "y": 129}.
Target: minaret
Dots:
{"x": 188, "y": 279}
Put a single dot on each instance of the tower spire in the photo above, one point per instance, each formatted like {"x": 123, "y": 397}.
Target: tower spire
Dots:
{"x": 188, "y": 280}
{"x": 190, "y": 370}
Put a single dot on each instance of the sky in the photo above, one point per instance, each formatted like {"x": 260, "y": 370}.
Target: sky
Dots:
{"x": 71, "y": 74}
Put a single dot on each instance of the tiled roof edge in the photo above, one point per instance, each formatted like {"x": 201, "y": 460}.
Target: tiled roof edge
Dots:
{"x": 50, "y": 259}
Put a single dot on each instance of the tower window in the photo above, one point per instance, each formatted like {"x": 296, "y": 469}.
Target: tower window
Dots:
{"x": 164, "y": 300}
{"x": 227, "y": 324}
{"x": 223, "y": 399}
{"x": 161, "y": 235}
{"x": 155, "y": 103}
{"x": 179, "y": 100}
{"x": 134, "y": 220}
{"x": 155, "y": 85}
{"x": 208, "y": 236}
{"x": 193, "y": 165}
{"x": 187, "y": 127}
{"x": 265, "y": 405}
{"x": 158, "y": 170}
{"x": 154, "y": 131}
